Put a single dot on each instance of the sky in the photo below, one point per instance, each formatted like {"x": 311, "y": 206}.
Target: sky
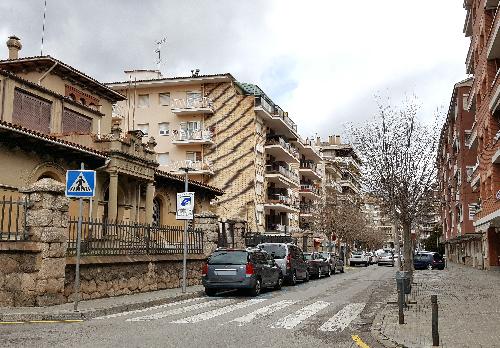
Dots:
{"x": 323, "y": 61}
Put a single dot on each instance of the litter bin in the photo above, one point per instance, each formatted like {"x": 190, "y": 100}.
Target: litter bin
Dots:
{"x": 403, "y": 281}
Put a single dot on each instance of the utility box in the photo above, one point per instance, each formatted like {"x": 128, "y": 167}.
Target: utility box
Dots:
{"x": 403, "y": 281}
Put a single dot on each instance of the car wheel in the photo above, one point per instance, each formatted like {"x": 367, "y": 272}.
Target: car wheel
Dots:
{"x": 210, "y": 292}
{"x": 329, "y": 272}
{"x": 366, "y": 264}
{"x": 279, "y": 283}
{"x": 306, "y": 279}
{"x": 334, "y": 270}
{"x": 342, "y": 269}
{"x": 255, "y": 291}
{"x": 429, "y": 267}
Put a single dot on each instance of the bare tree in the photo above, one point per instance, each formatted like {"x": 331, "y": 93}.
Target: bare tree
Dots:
{"x": 398, "y": 153}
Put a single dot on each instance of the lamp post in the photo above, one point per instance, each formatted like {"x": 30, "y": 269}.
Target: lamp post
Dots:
{"x": 186, "y": 169}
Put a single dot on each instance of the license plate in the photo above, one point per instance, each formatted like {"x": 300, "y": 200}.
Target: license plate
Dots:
{"x": 225, "y": 272}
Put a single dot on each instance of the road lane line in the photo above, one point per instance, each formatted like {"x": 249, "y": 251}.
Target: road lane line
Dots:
{"x": 176, "y": 311}
{"x": 217, "y": 312}
{"x": 294, "y": 319}
{"x": 171, "y": 304}
{"x": 262, "y": 312}
{"x": 343, "y": 317}
{"x": 359, "y": 341}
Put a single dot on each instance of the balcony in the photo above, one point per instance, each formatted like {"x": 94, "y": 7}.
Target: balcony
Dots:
{"x": 308, "y": 149}
{"x": 184, "y": 107}
{"x": 468, "y": 23}
{"x": 471, "y": 141}
{"x": 310, "y": 191}
{"x": 277, "y": 228}
{"x": 495, "y": 94}
{"x": 306, "y": 209}
{"x": 350, "y": 162}
{"x": 279, "y": 201}
{"x": 493, "y": 44}
{"x": 475, "y": 176}
{"x": 282, "y": 150}
{"x": 309, "y": 169}
{"x": 469, "y": 61}
{"x": 275, "y": 117}
{"x": 496, "y": 157}
{"x": 201, "y": 137}
{"x": 281, "y": 175}
{"x": 349, "y": 184}
{"x": 198, "y": 167}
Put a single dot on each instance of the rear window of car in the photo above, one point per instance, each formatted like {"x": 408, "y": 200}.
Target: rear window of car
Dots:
{"x": 276, "y": 250}
{"x": 357, "y": 253}
{"x": 384, "y": 255}
{"x": 308, "y": 256}
{"x": 228, "y": 258}
{"x": 325, "y": 255}
{"x": 438, "y": 257}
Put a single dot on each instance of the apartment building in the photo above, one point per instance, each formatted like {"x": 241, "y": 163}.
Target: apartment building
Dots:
{"x": 233, "y": 136}
{"x": 482, "y": 25}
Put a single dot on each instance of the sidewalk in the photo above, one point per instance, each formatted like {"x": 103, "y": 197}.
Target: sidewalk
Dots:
{"x": 469, "y": 310}
{"x": 98, "y": 307}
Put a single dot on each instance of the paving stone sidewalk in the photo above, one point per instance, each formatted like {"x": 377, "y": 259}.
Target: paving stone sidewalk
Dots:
{"x": 98, "y": 307}
{"x": 469, "y": 310}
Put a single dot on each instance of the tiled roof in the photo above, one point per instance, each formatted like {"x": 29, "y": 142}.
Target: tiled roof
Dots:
{"x": 101, "y": 88}
{"x": 31, "y": 133}
{"x": 250, "y": 88}
{"x": 228, "y": 75}
{"x": 167, "y": 175}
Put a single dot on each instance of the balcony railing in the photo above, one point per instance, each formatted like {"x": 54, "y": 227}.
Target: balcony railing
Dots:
{"x": 306, "y": 208}
{"x": 277, "y": 140}
{"x": 192, "y": 104}
{"x": 277, "y": 197}
{"x": 308, "y": 165}
{"x": 272, "y": 227}
{"x": 279, "y": 169}
{"x": 275, "y": 111}
{"x": 198, "y": 167}
{"x": 193, "y": 136}
{"x": 309, "y": 188}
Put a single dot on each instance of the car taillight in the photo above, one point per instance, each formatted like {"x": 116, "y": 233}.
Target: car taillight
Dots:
{"x": 249, "y": 269}
{"x": 288, "y": 261}
{"x": 204, "y": 270}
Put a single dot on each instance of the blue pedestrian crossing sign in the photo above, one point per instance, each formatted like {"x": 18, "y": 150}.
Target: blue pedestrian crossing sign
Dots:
{"x": 80, "y": 183}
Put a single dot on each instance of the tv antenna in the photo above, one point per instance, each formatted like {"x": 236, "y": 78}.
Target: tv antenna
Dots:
{"x": 43, "y": 25}
{"x": 158, "y": 51}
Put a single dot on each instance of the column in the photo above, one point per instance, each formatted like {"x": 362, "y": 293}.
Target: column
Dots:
{"x": 133, "y": 212}
{"x": 150, "y": 194}
{"x": 113, "y": 196}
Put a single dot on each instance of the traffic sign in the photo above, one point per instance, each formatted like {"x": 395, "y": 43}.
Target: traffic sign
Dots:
{"x": 185, "y": 206}
{"x": 80, "y": 183}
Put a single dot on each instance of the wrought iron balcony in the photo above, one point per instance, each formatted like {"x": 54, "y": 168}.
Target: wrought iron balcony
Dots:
{"x": 201, "y": 137}
{"x": 281, "y": 149}
{"x": 189, "y": 106}
{"x": 273, "y": 169}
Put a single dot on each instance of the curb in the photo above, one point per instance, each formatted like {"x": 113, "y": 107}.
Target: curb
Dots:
{"x": 93, "y": 313}
{"x": 376, "y": 331}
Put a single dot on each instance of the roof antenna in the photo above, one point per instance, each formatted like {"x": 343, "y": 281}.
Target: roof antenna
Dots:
{"x": 43, "y": 26}
{"x": 195, "y": 72}
{"x": 158, "y": 50}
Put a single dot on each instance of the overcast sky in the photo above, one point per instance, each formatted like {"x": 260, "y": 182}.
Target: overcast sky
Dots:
{"x": 322, "y": 61}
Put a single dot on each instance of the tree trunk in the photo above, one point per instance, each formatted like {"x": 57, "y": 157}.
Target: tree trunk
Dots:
{"x": 397, "y": 250}
{"x": 407, "y": 248}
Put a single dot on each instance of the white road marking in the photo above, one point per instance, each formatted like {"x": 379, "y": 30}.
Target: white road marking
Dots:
{"x": 343, "y": 317}
{"x": 294, "y": 319}
{"x": 262, "y": 312}
{"x": 176, "y": 311}
{"x": 171, "y": 304}
{"x": 217, "y": 312}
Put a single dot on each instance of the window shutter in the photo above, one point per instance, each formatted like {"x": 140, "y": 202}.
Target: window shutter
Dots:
{"x": 31, "y": 112}
{"x": 198, "y": 156}
{"x": 73, "y": 122}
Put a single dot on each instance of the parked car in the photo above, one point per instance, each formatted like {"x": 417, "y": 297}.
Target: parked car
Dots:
{"x": 386, "y": 259}
{"x": 290, "y": 259}
{"x": 317, "y": 265}
{"x": 428, "y": 260}
{"x": 251, "y": 269}
{"x": 374, "y": 258}
{"x": 335, "y": 262}
{"x": 359, "y": 258}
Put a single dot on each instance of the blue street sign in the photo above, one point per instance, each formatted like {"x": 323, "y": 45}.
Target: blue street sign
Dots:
{"x": 80, "y": 183}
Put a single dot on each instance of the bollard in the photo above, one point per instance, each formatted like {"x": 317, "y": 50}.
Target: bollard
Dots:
{"x": 435, "y": 330}
{"x": 401, "y": 299}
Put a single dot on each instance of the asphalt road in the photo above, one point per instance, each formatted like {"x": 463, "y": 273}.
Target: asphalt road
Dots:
{"x": 322, "y": 313}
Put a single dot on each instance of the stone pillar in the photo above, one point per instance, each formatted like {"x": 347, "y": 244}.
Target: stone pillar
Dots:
{"x": 47, "y": 223}
{"x": 150, "y": 195}
{"x": 209, "y": 223}
{"x": 113, "y": 196}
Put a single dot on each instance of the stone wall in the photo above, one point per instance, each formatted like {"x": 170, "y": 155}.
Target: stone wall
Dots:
{"x": 114, "y": 275}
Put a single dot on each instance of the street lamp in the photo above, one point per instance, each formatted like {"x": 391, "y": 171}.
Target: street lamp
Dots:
{"x": 186, "y": 170}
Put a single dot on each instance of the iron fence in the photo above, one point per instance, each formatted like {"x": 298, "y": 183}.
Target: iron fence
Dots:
{"x": 253, "y": 239}
{"x": 104, "y": 238}
{"x": 13, "y": 219}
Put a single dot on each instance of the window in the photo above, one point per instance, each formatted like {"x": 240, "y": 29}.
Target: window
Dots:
{"x": 73, "y": 122}
{"x": 144, "y": 127}
{"x": 31, "y": 112}
{"x": 194, "y": 156}
{"x": 165, "y": 99}
{"x": 163, "y": 158}
{"x": 164, "y": 128}
{"x": 143, "y": 101}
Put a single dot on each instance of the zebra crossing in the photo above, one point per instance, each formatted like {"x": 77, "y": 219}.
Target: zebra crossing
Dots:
{"x": 282, "y": 314}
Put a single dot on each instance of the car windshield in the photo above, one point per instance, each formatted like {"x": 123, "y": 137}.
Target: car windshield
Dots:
{"x": 228, "y": 258}
{"x": 357, "y": 253}
{"x": 308, "y": 256}
{"x": 324, "y": 255}
{"x": 276, "y": 250}
{"x": 384, "y": 255}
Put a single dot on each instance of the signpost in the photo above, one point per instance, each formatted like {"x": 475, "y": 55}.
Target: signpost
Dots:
{"x": 79, "y": 184}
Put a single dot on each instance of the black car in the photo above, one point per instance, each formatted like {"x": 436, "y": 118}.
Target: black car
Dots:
{"x": 317, "y": 265}
{"x": 290, "y": 259}
{"x": 335, "y": 262}
{"x": 428, "y": 260}
{"x": 250, "y": 269}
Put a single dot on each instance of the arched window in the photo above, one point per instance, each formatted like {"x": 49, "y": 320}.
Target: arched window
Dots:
{"x": 156, "y": 212}
{"x": 83, "y": 101}
{"x": 72, "y": 97}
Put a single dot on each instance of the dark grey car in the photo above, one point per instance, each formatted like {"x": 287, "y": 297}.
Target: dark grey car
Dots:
{"x": 250, "y": 269}
{"x": 335, "y": 262}
{"x": 290, "y": 259}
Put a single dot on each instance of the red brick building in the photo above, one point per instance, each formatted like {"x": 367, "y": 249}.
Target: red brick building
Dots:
{"x": 482, "y": 25}
{"x": 456, "y": 162}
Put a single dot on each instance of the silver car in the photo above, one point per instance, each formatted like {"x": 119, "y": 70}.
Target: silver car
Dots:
{"x": 386, "y": 259}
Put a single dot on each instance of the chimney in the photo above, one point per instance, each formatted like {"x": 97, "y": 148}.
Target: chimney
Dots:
{"x": 318, "y": 141}
{"x": 14, "y": 45}
{"x": 331, "y": 140}
{"x": 337, "y": 140}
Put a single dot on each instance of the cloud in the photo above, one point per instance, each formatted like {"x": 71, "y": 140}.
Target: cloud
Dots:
{"x": 322, "y": 61}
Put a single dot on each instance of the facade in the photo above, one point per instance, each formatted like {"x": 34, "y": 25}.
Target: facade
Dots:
{"x": 234, "y": 136}
{"x": 482, "y": 25}
{"x": 45, "y": 101}
{"x": 377, "y": 220}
